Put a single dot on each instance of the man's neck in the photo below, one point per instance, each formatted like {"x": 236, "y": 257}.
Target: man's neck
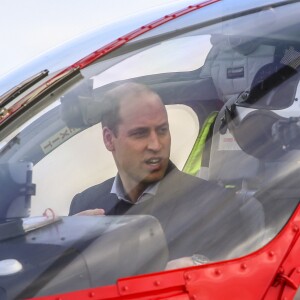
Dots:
{"x": 133, "y": 192}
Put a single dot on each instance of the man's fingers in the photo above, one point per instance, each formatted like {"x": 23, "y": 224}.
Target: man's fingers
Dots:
{"x": 182, "y": 262}
{"x": 92, "y": 212}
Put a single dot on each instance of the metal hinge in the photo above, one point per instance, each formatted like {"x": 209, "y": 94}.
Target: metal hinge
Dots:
{"x": 290, "y": 283}
{"x": 3, "y": 112}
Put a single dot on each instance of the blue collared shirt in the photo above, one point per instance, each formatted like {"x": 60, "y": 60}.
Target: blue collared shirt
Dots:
{"x": 118, "y": 189}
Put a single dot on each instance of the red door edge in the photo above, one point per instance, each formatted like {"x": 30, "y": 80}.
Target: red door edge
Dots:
{"x": 133, "y": 34}
{"x": 272, "y": 272}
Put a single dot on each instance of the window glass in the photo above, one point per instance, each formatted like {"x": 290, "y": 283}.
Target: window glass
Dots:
{"x": 157, "y": 157}
{"x": 83, "y": 160}
{"x": 168, "y": 56}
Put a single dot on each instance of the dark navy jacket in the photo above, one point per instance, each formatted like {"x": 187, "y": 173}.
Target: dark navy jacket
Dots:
{"x": 197, "y": 216}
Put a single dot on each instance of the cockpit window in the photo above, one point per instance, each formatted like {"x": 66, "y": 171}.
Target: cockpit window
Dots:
{"x": 83, "y": 161}
{"x": 158, "y": 158}
{"x": 179, "y": 48}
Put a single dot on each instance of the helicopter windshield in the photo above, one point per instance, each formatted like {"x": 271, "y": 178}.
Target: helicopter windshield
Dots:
{"x": 172, "y": 151}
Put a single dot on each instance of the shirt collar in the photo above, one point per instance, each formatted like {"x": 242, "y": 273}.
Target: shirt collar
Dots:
{"x": 118, "y": 189}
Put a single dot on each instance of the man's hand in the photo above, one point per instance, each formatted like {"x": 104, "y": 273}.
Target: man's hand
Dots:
{"x": 91, "y": 212}
{"x": 182, "y": 262}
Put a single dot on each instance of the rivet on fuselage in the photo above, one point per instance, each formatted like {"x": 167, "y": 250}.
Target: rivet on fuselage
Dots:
{"x": 92, "y": 294}
{"x": 157, "y": 283}
{"x": 295, "y": 228}
{"x": 271, "y": 254}
{"x": 217, "y": 272}
{"x": 188, "y": 276}
{"x": 125, "y": 288}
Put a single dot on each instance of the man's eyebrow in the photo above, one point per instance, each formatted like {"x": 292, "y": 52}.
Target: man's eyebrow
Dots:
{"x": 163, "y": 125}
{"x": 145, "y": 128}
{"x": 136, "y": 129}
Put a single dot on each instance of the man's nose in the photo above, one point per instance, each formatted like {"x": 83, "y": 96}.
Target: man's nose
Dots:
{"x": 154, "y": 142}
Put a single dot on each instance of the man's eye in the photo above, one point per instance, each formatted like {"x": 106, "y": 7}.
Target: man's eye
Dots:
{"x": 139, "y": 134}
{"x": 163, "y": 130}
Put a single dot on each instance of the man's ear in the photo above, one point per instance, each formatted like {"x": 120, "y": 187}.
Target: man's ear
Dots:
{"x": 108, "y": 136}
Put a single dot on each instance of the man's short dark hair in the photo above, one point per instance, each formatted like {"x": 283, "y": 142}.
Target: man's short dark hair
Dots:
{"x": 112, "y": 99}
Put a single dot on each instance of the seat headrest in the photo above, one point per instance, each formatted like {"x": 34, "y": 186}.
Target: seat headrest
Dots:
{"x": 233, "y": 63}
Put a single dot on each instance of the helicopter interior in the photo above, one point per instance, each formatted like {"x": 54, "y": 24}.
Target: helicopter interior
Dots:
{"x": 229, "y": 67}
{"x": 243, "y": 150}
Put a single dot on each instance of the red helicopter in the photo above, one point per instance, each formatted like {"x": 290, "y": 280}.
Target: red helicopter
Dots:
{"x": 227, "y": 75}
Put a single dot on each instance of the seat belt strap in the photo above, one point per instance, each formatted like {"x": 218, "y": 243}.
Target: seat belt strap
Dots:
{"x": 194, "y": 161}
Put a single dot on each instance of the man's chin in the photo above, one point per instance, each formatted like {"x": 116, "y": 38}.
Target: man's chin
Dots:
{"x": 153, "y": 177}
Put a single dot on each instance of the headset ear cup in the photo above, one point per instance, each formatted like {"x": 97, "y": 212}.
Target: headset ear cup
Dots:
{"x": 274, "y": 88}
{"x": 254, "y": 135}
